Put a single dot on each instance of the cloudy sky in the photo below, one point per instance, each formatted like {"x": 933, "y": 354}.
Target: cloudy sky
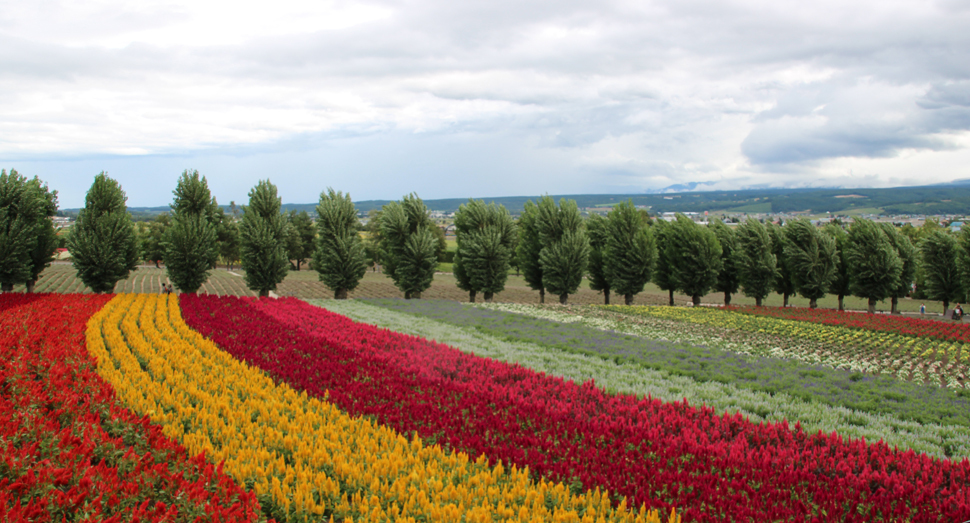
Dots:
{"x": 483, "y": 97}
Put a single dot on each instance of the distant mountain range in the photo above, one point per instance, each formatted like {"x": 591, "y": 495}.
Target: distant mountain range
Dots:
{"x": 948, "y": 198}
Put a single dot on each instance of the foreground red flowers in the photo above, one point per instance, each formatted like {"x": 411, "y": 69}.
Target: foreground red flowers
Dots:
{"x": 68, "y": 450}
{"x": 713, "y": 468}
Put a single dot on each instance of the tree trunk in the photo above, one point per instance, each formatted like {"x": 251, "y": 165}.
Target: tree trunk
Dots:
{"x": 606, "y": 297}
{"x": 758, "y": 301}
{"x": 407, "y": 295}
{"x": 946, "y": 305}
{"x": 696, "y": 299}
{"x": 542, "y": 295}
{"x": 471, "y": 296}
{"x": 156, "y": 265}
{"x": 263, "y": 293}
{"x": 671, "y": 291}
{"x": 812, "y": 303}
{"x": 416, "y": 295}
{"x": 297, "y": 264}
{"x": 727, "y": 298}
{"x": 872, "y": 305}
{"x": 894, "y": 308}
{"x": 563, "y": 298}
{"x": 628, "y": 299}
{"x": 786, "y": 299}
{"x": 841, "y": 302}
{"x": 30, "y": 286}
{"x": 6, "y": 287}
{"x": 488, "y": 297}
{"x": 340, "y": 294}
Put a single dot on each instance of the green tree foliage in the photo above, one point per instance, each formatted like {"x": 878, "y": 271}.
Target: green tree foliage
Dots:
{"x": 813, "y": 259}
{"x": 598, "y": 230}
{"x": 694, "y": 256}
{"x": 530, "y": 245}
{"x": 938, "y": 259}
{"x": 631, "y": 251}
{"x": 663, "y": 274}
{"x": 372, "y": 243}
{"x": 565, "y": 247}
{"x": 152, "y": 242}
{"x": 409, "y": 246}
{"x": 486, "y": 241}
{"x": 302, "y": 236}
{"x": 27, "y": 234}
{"x": 729, "y": 278}
{"x": 339, "y": 257}
{"x": 190, "y": 242}
{"x": 874, "y": 265}
{"x": 262, "y": 240}
{"x": 103, "y": 242}
{"x": 784, "y": 283}
{"x": 227, "y": 237}
{"x": 909, "y": 258}
{"x": 757, "y": 262}
{"x": 840, "y": 280}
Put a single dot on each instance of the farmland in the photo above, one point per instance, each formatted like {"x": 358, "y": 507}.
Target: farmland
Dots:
{"x": 305, "y": 284}
{"x": 222, "y": 405}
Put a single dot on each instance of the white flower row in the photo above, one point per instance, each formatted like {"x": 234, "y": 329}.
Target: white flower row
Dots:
{"x": 628, "y": 378}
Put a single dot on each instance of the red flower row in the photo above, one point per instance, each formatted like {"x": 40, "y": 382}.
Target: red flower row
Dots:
{"x": 874, "y": 322}
{"x": 712, "y": 468}
{"x": 68, "y": 449}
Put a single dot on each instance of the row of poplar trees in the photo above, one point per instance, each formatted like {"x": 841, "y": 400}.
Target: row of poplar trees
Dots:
{"x": 552, "y": 246}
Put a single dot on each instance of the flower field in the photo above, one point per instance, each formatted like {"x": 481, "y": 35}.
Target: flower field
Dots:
{"x": 631, "y": 378}
{"x": 303, "y": 456}
{"x": 909, "y": 357}
{"x": 205, "y": 408}
{"x": 712, "y": 467}
{"x": 69, "y": 450}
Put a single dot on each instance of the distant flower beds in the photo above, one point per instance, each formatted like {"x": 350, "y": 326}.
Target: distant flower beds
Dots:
{"x": 714, "y": 467}
{"x": 897, "y": 324}
{"x": 69, "y": 451}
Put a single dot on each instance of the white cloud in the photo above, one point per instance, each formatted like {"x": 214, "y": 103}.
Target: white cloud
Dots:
{"x": 610, "y": 94}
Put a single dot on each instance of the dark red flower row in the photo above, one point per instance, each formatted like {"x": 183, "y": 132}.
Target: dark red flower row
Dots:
{"x": 712, "y": 468}
{"x": 875, "y": 322}
{"x": 68, "y": 449}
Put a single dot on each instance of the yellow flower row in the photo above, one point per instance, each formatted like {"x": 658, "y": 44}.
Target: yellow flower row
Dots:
{"x": 305, "y": 459}
{"x": 881, "y": 341}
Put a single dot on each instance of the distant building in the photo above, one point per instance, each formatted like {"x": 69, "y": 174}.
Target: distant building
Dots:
{"x": 956, "y": 226}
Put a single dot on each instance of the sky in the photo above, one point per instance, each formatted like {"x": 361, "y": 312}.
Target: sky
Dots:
{"x": 483, "y": 98}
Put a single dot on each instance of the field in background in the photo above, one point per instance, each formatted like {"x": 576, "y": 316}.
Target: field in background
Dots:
{"x": 305, "y": 284}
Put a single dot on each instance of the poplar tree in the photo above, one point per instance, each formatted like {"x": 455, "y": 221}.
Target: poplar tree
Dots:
{"x": 340, "y": 257}
{"x": 908, "y": 256}
{"x": 102, "y": 241}
{"x": 942, "y": 278}
{"x": 262, "y": 240}
{"x": 486, "y": 242}
{"x": 695, "y": 257}
{"x": 811, "y": 255}
{"x": 757, "y": 262}
{"x": 530, "y": 245}
{"x": 598, "y": 230}
{"x": 664, "y": 275}
{"x": 729, "y": 277}
{"x": 409, "y": 247}
{"x": 27, "y": 235}
{"x": 565, "y": 247}
{"x": 153, "y": 240}
{"x": 631, "y": 252}
{"x": 302, "y": 236}
{"x": 874, "y": 265}
{"x": 840, "y": 280}
{"x": 190, "y": 249}
{"x": 784, "y": 284}
{"x": 227, "y": 236}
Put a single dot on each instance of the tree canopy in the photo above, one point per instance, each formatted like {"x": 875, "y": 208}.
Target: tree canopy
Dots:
{"x": 339, "y": 258}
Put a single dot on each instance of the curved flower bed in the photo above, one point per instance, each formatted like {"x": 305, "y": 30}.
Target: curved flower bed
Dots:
{"x": 69, "y": 450}
{"x": 305, "y": 459}
{"x": 714, "y": 467}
